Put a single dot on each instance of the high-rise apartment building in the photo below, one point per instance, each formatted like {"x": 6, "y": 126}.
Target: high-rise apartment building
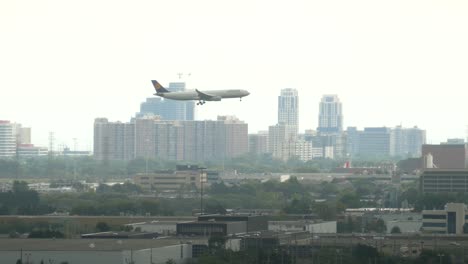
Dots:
{"x": 16, "y": 140}
{"x": 113, "y": 140}
{"x": 169, "y": 109}
{"x": 236, "y": 136}
{"x": 280, "y": 144}
{"x": 288, "y": 111}
{"x": 258, "y": 143}
{"x": 149, "y": 137}
{"x": 8, "y": 139}
{"x": 330, "y": 115}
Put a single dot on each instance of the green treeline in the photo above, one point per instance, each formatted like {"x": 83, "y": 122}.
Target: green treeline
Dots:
{"x": 59, "y": 167}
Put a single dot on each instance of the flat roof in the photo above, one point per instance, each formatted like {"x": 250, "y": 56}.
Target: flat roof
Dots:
{"x": 28, "y": 244}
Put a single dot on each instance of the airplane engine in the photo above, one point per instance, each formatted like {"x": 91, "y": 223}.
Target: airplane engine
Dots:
{"x": 215, "y": 98}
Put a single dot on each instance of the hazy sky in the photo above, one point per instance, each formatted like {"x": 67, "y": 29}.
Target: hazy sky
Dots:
{"x": 63, "y": 63}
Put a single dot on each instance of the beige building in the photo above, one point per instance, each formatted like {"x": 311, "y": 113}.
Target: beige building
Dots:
{"x": 150, "y": 137}
{"x": 113, "y": 140}
{"x": 184, "y": 177}
{"x": 280, "y": 143}
{"x": 451, "y": 220}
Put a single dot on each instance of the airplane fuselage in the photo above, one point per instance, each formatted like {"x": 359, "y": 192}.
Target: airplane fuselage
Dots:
{"x": 217, "y": 95}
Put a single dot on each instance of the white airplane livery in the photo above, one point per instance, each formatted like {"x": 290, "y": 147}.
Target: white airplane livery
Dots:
{"x": 200, "y": 96}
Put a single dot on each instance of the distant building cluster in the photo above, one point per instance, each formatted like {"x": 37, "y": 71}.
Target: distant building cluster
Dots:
{"x": 15, "y": 141}
{"x": 151, "y": 137}
{"x": 283, "y": 141}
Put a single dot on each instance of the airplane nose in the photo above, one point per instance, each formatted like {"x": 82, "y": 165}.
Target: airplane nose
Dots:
{"x": 246, "y": 93}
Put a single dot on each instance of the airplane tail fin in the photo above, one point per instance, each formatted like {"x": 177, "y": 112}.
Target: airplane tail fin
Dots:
{"x": 158, "y": 87}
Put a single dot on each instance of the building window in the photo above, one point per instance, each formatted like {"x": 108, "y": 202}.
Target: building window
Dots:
{"x": 429, "y": 216}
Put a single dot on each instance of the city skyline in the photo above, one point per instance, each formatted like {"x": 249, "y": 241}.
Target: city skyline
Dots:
{"x": 286, "y": 94}
{"x": 391, "y": 63}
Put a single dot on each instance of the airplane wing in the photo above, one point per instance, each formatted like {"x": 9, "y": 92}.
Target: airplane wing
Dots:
{"x": 206, "y": 97}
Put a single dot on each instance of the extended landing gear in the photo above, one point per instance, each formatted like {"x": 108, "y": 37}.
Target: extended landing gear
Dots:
{"x": 201, "y": 102}
{"x": 240, "y": 99}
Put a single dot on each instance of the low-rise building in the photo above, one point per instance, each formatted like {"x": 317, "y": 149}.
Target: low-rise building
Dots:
{"x": 444, "y": 181}
{"x": 185, "y": 176}
{"x": 303, "y": 225}
{"x": 103, "y": 251}
{"x": 210, "y": 228}
{"x": 451, "y": 220}
{"x": 156, "y": 226}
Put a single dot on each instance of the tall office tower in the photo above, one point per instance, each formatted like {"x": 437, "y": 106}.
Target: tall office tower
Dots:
{"x": 288, "y": 111}
{"x": 8, "y": 139}
{"x": 113, "y": 140}
{"x": 408, "y": 141}
{"x": 352, "y": 141}
{"x": 330, "y": 115}
{"x": 376, "y": 142}
{"x": 168, "y": 109}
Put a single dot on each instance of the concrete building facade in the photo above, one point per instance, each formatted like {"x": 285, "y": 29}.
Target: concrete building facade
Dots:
{"x": 444, "y": 181}
{"x": 149, "y": 137}
{"x": 7, "y": 139}
{"x": 446, "y": 156}
{"x": 189, "y": 177}
{"x": 452, "y": 220}
{"x": 258, "y": 143}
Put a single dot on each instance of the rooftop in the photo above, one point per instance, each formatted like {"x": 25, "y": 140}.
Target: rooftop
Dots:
{"x": 91, "y": 244}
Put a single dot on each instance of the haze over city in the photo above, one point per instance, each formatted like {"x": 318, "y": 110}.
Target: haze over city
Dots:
{"x": 401, "y": 62}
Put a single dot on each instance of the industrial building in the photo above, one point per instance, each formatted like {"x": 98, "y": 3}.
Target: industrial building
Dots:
{"x": 303, "y": 225}
{"x": 222, "y": 225}
{"x": 103, "y": 251}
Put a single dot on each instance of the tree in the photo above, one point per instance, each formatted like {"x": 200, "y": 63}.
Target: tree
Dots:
{"x": 170, "y": 261}
{"x": 395, "y": 230}
{"x": 216, "y": 242}
{"x": 376, "y": 225}
{"x": 364, "y": 253}
{"x": 102, "y": 227}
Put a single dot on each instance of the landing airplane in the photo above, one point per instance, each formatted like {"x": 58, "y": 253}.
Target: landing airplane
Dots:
{"x": 201, "y": 97}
